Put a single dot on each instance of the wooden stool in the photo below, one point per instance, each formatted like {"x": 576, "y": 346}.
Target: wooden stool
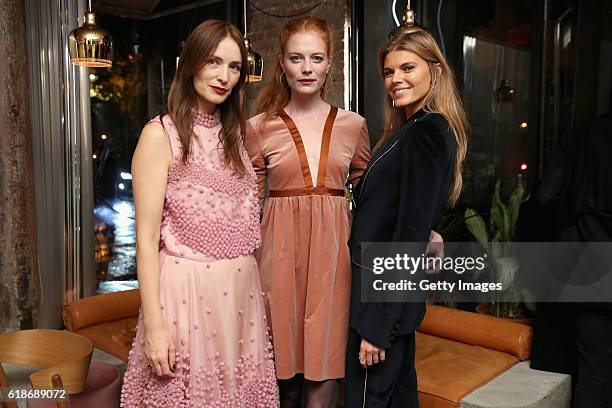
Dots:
{"x": 63, "y": 359}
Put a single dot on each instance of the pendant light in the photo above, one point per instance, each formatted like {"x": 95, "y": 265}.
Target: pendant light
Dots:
{"x": 254, "y": 60}
{"x": 90, "y": 45}
{"x": 408, "y": 23}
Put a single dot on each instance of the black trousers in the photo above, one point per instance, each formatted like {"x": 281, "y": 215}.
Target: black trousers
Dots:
{"x": 576, "y": 339}
{"x": 389, "y": 384}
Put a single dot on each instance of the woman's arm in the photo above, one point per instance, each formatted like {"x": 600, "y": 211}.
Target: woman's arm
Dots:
{"x": 150, "y": 163}
{"x": 253, "y": 148}
{"x": 362, "y": 154}
{"x": 424, "y": 169}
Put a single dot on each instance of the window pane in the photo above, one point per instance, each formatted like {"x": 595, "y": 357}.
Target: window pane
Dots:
{"x": 123, "y": 99}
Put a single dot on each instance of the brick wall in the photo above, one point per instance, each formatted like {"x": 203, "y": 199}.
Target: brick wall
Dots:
{"x": 263, "y": 32}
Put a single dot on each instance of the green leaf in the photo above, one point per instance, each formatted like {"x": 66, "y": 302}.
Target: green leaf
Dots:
{"x": 499, "y": 215}
{"x": 503, "y": 216}
{"x": 528, "y": 299}
{"x": 518, "y": 197}
{"x": 508, "y": 229}
{"x": 477, "y": 227}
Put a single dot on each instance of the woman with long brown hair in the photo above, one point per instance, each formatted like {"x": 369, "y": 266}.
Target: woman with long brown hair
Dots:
{"x": 414, "y": 172}
{"x": 202, "y": 336}
{"x": 304, "y": 149}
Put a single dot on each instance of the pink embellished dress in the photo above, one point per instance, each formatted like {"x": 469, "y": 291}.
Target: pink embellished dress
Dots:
{"x": 209, "y": 286}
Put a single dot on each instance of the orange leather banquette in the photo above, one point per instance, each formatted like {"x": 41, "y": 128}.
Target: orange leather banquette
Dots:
{"x": 458, "y": 351}
{"x": 108, "y": 320}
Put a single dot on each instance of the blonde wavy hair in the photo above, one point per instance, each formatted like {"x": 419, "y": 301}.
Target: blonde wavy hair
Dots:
{"x": 443, "y": 97}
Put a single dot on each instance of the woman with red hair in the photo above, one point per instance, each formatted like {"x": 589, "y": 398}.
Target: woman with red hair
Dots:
{"x": 304, "y": 149}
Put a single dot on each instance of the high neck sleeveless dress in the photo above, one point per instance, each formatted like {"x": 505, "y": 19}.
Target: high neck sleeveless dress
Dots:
{"x": 210, "y": 291}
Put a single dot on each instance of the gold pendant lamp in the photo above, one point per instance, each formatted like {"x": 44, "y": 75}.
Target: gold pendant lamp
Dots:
{"x": 254, "y": 60}
{"x": 90, "y": 45}
{"x": 408, "y": 23}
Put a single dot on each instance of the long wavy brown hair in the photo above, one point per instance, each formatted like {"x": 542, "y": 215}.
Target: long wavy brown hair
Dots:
{"x": 443, "y": 97}
{"x": 276, "y": 94}
{"x": 182, "y": 99}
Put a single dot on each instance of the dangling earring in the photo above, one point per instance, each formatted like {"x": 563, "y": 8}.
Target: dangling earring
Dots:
{"x": 393, "y": 102}
{"x": 280, "y": 80}
{"x": 328, "y": 81}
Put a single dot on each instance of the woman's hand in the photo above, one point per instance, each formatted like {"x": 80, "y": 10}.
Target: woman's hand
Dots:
{"x": 160, "y": 351}
{"x": 369, "y": 354}
{"x": 435, "y": 249}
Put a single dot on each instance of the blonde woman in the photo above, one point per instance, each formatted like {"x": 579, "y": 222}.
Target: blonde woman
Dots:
{"x": 414, "y": 171}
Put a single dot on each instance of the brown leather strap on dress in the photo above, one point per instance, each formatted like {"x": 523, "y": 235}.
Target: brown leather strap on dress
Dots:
{"x": 319, "y": 190}
{"x": 327, "y": 131}
{"x": 299, "y": 145}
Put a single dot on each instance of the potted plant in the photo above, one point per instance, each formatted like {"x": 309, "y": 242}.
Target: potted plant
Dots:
{"x": 497, "y": 238}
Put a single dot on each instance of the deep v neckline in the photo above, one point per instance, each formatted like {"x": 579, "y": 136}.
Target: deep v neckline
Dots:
{"x": 301, "y": 151}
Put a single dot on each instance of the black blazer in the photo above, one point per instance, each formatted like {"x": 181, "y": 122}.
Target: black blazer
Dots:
{"x": 400, "y": 196}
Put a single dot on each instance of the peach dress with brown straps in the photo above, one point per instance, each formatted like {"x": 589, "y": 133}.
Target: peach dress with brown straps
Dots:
{"x": 304, "y": 258}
